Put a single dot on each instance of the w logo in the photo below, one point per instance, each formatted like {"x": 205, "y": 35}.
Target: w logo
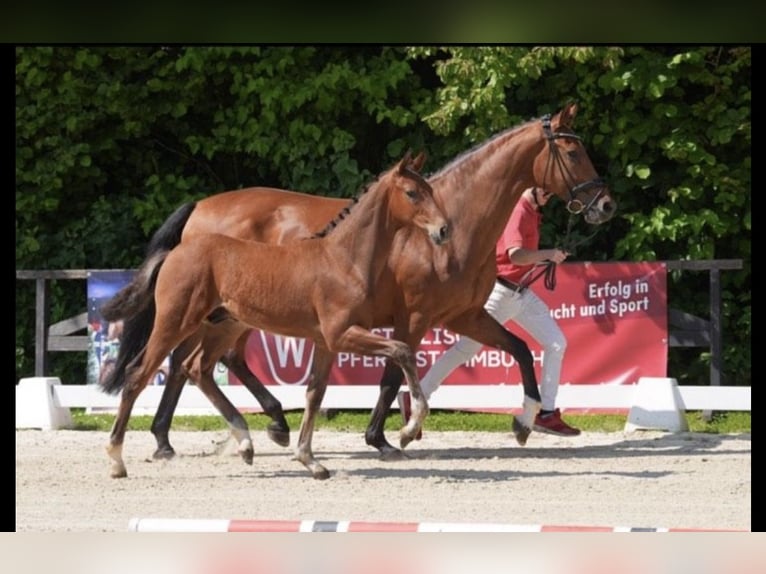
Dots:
{"x": 277, "y": 359}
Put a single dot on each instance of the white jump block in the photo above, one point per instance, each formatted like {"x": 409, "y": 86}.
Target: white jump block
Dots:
{"x": 657, "y": 404}
{"x": 37, "y": 406}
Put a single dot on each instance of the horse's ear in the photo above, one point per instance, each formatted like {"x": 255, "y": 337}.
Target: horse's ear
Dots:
{"x": 567, "y": 115}
{"x": 405, "y": 161}
{"x": 419, "y": 161}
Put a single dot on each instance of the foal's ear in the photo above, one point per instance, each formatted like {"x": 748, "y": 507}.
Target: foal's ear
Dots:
{"x": 567, "y": 115}
{"x": 419, "y": 161}
{"x": 405, "y": 161}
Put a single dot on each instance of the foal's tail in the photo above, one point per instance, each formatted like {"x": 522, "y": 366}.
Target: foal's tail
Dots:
{"x": 132, "y": 298}
{"x": 134, "y": 303}
{"x": 136, "y": 329}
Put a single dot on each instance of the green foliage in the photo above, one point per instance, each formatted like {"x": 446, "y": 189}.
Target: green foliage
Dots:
{"x": 110, "y": 140}
{"x": 669, "y": 127}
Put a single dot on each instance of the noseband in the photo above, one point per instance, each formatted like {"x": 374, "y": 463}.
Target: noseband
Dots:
{"x": 574, "y": 205}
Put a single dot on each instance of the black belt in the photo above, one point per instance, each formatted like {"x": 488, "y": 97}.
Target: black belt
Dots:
{"x": 511, "y": 285}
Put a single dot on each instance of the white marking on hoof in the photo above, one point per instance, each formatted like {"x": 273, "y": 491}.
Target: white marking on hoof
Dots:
{"x": 531, "y": 408}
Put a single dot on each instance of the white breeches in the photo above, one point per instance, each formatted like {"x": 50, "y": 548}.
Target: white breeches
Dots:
{"x": 529, "y": 312}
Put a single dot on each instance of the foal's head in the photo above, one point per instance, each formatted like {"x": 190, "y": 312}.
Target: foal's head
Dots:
{"x": 411, "y": 198}
{"x": 565, "y": 169}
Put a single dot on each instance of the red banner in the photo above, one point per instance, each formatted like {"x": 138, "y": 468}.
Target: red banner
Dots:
{"x": 614, "y": 316}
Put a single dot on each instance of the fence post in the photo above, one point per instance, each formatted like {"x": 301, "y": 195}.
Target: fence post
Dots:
{"x": 42, "y": 312}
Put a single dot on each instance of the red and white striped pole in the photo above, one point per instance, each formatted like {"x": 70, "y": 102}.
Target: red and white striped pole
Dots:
{"x": 215, "y": 525}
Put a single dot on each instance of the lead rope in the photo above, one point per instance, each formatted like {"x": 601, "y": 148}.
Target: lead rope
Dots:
{"x": 548, "y": 268}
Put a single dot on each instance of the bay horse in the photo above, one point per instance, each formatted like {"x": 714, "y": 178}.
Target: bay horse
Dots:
{"x": 420, "y": 288}
{"x": 319, "y": 288}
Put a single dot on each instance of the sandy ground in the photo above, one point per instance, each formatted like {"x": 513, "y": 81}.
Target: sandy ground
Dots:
{"x": 644, "y": 479}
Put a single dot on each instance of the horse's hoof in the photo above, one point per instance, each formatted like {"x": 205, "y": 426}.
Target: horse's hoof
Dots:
{"x": 520, "y": 432}
{"x": 247, "y": 455}
{"x": 322, "y": 474}
{"x": 278, "y": 435}
{"x": 318, "y": 472}
{"x": 119, "y": 473}
{"x": 164, "y": 453}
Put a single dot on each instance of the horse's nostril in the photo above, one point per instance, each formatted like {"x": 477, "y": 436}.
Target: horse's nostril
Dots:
{"x": 444, "y": 232}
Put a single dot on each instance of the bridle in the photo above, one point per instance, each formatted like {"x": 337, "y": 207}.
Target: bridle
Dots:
{"x": 574, "y": 205}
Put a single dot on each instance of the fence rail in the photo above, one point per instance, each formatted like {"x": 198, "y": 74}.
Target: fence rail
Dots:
{"x": 684, "y": 329}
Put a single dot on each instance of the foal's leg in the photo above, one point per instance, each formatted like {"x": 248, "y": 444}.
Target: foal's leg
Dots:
{"x": 315, "y": 390}
{"x": 139, "y": 374}
{"x": 234, "y": 359}
{"x": 200, "y": 366}
{"x": 390, "y": 383}
{"x": 363, "y": 342}
{"x": 278, "y": 430}
{"x": 482, "y": 327}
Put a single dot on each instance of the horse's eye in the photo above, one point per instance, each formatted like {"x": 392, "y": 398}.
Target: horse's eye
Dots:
{"x": 412, "y": 194}
{"x": 572, "y": 154}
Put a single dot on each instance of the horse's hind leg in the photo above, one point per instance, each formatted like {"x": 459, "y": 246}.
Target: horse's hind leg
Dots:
{"x": 315, "y": 390}
{"x": 278, "y": 430}
{"x": 171, "y": 393}
{"x": 138, "y": 373}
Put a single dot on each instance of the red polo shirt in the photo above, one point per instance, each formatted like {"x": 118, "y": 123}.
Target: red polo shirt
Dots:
{"x": 522, "y": 230}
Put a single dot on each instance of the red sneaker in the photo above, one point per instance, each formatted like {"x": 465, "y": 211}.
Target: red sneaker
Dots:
{"x": 551, "y": 423}
{"x": 405, "y": 407}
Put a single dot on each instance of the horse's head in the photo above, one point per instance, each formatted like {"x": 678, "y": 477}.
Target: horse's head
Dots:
{"x": 412, "y": 199}
{"x": 565, "y": 169}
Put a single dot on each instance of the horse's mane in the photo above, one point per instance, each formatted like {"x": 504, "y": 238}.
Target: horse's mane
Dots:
{"x": 343, "y": 212}
{"x": 354, "y": 200}
{"x": 480, "y": 145}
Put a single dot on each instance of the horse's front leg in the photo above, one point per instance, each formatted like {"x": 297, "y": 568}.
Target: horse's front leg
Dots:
{"x": 483, "y": 328}
{"x": 375, "y": 435}
{"x": 420, "y": 409}
{"x": 361, "y": 341}
{"x": 315, "y": 390}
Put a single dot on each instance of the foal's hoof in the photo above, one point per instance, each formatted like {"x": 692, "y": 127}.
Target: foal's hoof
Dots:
{"x": 247, "y": 456}
{"x": 278, "y": 434}
{"x": 322, "y": 474}
{"x": 520, "y": 432}
{"x": 118, "y": 471}
{"x": 318, "y": 472}
{"x": 164, "y": 453}
{"x": 406, "y": 438}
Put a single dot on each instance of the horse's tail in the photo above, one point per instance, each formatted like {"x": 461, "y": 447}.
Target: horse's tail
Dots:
{"x": 134, "y": 303}
{"x": 131, "y": 299}
{"x": 136, "y": 329}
